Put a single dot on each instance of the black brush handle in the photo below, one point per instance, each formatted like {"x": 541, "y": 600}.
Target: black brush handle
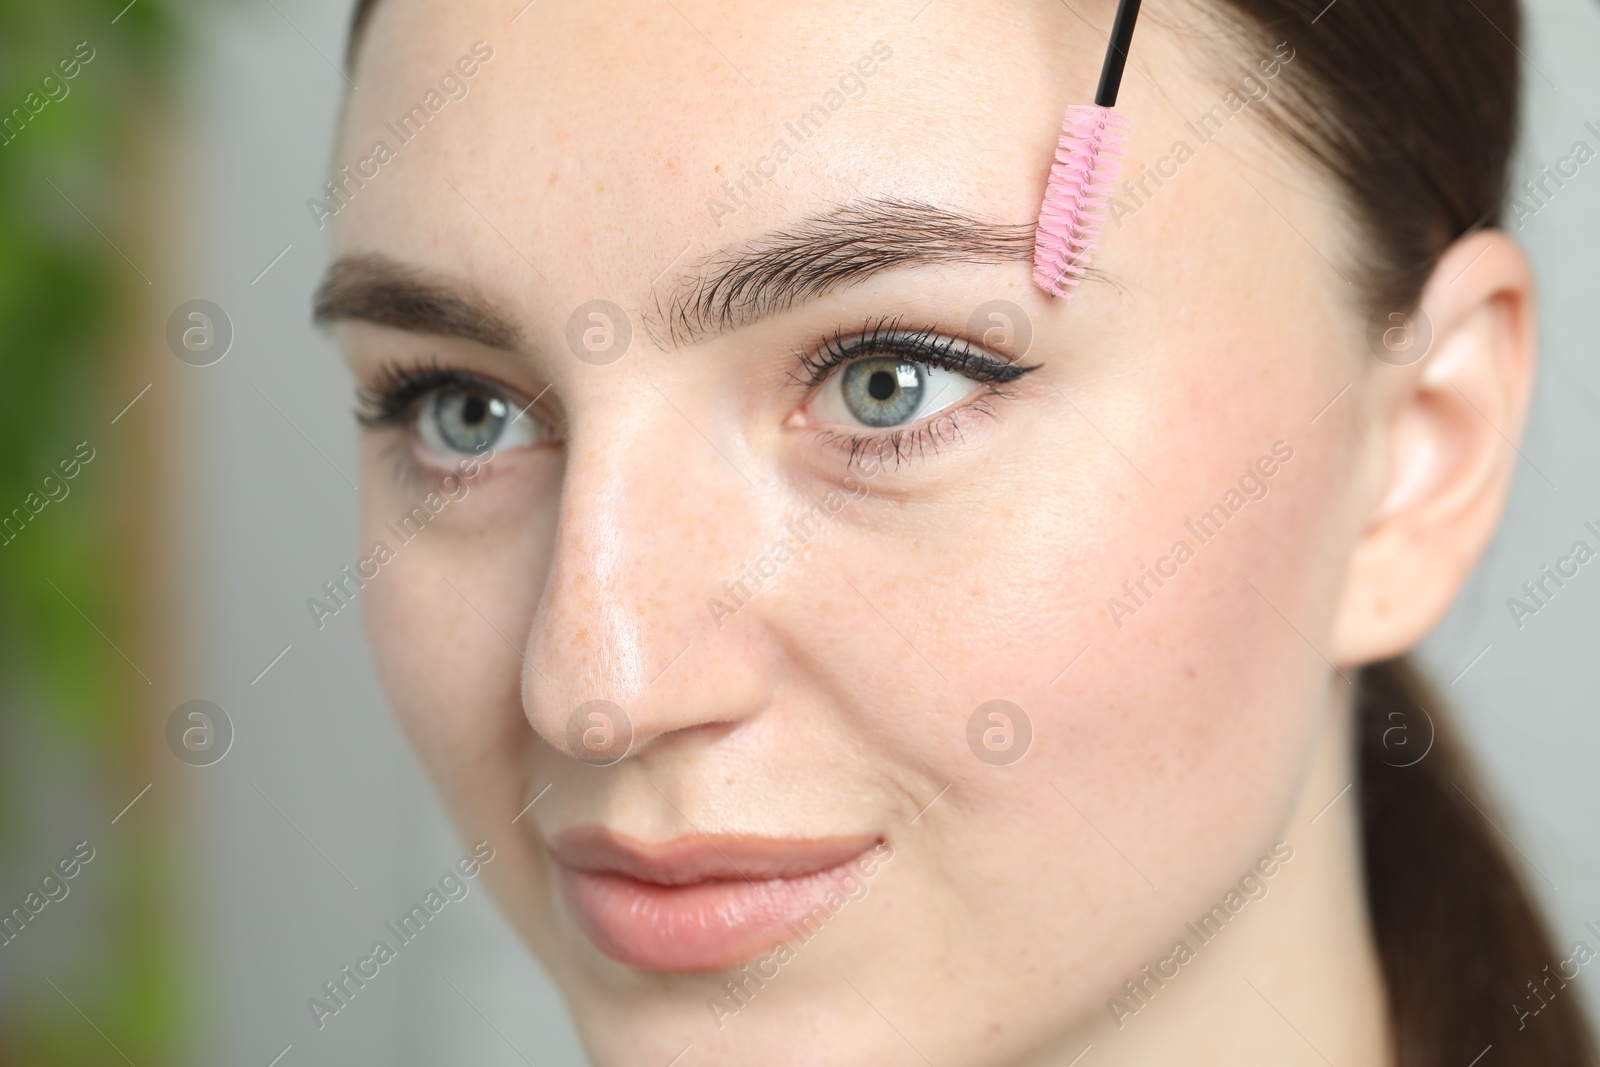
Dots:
{"x": 1117, "y": 53}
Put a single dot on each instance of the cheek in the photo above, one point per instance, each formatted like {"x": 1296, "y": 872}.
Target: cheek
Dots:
{"x": 1169, "y": 750}
{"x": 447, "y": 617}
{"x": 454, "y": 685}
{"x": 1191, "y": 718}
{"x": 1169, "y": 747}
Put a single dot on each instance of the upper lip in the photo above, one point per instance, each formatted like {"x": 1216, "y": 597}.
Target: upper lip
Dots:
{"x": 701, "y": 858}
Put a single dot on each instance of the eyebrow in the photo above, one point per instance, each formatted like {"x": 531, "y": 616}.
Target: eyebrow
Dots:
{"x": 735, "y": 286}
{"x": 382, "y": 290}
{"x": 729, "y": 288}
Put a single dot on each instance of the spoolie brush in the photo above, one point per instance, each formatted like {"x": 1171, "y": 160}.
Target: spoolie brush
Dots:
{"x": 1088, "y": 159}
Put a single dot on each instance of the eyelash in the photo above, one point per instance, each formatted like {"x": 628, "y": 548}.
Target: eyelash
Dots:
{"x": 392, "y": 399}
{"x": 886, "y": 337}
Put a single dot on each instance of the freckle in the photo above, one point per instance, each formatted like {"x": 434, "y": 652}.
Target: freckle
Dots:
{"x": 717, "y": 169}
{"x": 554, "y": 177}
{"x": 599, "y": 187}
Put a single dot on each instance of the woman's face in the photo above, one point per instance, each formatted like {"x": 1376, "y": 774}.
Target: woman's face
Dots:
{"x": 807, "y": 474}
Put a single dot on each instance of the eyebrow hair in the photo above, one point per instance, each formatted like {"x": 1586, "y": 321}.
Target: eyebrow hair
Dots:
{"x": 731, "y": 287}
{"x": 738, "y": 285}
{"x": 378, "y": 289}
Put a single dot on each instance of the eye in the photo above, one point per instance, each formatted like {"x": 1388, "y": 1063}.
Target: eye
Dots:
{"x": 906, "y": 388}
{"x": 469, "y": 419}
{"x": 883, "y": 392}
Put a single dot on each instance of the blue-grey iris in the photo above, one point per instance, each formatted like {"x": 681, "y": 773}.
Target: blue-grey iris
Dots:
{"x": 884, "y": 392}
{"x": 468, "y": 419}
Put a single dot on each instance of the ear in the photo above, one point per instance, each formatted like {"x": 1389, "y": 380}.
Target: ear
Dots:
{"x": 1446, "y": 429}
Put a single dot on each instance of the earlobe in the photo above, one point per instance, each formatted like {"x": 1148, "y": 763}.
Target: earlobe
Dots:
{"x": 1445, "y": 429}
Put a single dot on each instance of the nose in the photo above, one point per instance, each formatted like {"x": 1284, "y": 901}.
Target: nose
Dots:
{"x": 654, "y": 517}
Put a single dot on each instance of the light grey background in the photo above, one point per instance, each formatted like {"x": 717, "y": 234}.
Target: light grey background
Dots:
{"x": 320, "y": 791}
{"x": 1532, "y": 703}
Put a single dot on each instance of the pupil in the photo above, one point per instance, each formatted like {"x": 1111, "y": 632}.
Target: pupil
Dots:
{"x": 881, "y": 385}
{"x": 474, "y": 409}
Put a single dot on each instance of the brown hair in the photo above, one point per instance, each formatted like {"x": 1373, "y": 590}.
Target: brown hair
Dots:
{"x": 1411, "y": 109}
{"x": 1459, "y": 935}
{"x": 1410, "y": 106}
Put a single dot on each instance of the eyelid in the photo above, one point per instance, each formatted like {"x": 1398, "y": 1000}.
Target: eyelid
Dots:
{"x": 391, "y": 400}
{"x": 887, "y": 337}
{"x": 903, "y": 443}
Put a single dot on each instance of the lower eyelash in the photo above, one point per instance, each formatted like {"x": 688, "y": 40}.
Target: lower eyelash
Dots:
{"x": 886, "y": 337}
{"x": 915, "y": 441}
{"x": 409, "y": 475}
{"x": 393, "y": 402}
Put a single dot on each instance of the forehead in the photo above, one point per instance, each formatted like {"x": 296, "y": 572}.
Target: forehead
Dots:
{"x": 627, "y": 133}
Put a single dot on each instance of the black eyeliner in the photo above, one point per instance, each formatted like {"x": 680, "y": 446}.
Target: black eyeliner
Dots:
{"x": 886, "y": 337}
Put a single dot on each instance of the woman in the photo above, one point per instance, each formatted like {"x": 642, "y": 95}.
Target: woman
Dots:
{"x": 854, "y": 656}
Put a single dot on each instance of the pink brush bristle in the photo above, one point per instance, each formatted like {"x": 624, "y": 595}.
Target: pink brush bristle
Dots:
{"x": 1088, "y": 159}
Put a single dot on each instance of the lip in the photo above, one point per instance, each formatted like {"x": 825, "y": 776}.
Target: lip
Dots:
{"x": 697, "y": 903}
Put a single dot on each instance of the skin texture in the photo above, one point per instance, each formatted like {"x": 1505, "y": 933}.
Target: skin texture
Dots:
{"x": 1183, "y": 740}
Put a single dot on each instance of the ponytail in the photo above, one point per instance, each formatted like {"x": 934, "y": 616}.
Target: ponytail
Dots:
{"x": 1461, "y": 940}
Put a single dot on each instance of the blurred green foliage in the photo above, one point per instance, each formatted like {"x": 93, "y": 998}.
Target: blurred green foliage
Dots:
{"x": 78, "y": 150}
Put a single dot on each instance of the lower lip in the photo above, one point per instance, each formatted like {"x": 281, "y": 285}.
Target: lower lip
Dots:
{"x": 703, "y": 927}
